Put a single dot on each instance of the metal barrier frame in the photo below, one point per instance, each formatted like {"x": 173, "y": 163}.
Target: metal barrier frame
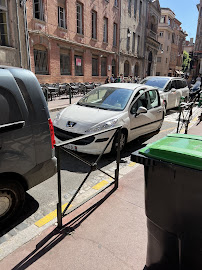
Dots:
{"x": 185, "y": 117}
{"x": 93, "y": 167}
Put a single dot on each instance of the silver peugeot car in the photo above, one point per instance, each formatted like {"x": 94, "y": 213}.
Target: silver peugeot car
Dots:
{"x": 136, "y": 107}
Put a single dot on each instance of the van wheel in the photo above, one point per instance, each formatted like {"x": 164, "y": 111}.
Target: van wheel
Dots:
{"x": 12, "y": 197}
{"x": 123, "y": 140}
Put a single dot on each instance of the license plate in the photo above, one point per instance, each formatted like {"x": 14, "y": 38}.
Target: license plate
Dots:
{"x": 70, "y": 147}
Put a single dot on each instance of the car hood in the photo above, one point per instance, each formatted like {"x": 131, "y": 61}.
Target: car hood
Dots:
{"x": 78, "y": 119}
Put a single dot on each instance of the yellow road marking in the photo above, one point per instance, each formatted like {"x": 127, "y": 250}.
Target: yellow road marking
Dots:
{"x": 49, "y": 217}
{"x": 131, "y": 164}
{"x": 100, "y": 185}
{"x": 166, "y": 129}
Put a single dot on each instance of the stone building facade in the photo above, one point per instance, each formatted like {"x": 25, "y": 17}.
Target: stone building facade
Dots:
{"x": 132, "y": 37}
{"x": 73, "y": 41}
{"x": 13, "y": 46}
{"x": 152, "y": 44}
{"x": 171, "y": 38}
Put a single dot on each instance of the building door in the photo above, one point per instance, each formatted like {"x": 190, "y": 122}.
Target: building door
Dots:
{"x": 114, "y": 68}
{"x": 149, "y": 64}
{"x": 136, "y": 70}
{"x": 126, "y": 68}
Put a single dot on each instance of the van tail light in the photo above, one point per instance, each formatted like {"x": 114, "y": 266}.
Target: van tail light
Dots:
{"x": 51, "y": 132}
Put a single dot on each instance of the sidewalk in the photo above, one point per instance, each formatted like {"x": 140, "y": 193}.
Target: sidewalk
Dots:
{"x": 107, "y": 233}
{"x": 60, "y": 103}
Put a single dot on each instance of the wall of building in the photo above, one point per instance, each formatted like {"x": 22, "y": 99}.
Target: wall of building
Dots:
{"x": 13, "y": 53}
{"x": 53, "y": 38}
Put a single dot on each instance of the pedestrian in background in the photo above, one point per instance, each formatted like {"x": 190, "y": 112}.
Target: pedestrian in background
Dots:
{"x": 112, "y": 79}
{"x": 107, "y": 79}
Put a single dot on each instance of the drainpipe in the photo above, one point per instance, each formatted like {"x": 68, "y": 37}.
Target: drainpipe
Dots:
{"x": 23, "y": 3}
{"x": 119, "y": 38}
{"x": 18, "y": 29}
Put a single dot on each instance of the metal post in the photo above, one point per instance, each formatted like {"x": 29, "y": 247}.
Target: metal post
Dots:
{"x": 59, "y": 204}
{"x": 70, "y": 95}
{"x": 178, "y": 124}
{"x": 117, "y": 160}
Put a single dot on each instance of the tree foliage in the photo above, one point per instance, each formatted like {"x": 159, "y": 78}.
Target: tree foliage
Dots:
{"x": 186, "y": 61}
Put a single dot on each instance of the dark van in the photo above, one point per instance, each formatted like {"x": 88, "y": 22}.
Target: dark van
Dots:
{"x": 27, "y": 154}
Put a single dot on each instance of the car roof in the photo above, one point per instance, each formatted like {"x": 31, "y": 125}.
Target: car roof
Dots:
{"x": 164, "y": 77}
{"x": 132, "y": 86}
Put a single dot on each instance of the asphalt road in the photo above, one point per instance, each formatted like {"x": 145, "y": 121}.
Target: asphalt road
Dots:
{"x": 42, "y": 199}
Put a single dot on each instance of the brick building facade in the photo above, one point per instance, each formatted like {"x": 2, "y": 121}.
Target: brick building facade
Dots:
{"x": 73, "y": 41}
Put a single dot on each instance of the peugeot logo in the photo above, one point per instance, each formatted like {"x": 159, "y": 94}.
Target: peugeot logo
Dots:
{"x": 70, "y": 124}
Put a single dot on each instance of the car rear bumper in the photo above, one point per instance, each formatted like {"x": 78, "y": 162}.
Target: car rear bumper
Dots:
{"x": 41, "y": 172}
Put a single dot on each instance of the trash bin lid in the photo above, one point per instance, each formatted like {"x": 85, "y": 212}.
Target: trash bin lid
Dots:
{"x": 180, "y": 149}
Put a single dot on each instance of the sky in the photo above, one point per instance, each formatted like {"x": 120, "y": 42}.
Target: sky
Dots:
{"x": 186, "y": 12}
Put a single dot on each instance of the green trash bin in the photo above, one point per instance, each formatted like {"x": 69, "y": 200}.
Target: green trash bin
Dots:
{"x": 173, "y": 201}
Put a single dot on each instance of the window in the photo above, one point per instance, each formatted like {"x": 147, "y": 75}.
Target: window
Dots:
{"x": 140, "y": 11}
{"x": 141, "y": 102}
{"x": 79, "y": 11}
{"x": 159, "y": 59}
{"x": 38, "y": 10}
{"x": 129, "y": 7}
{"x": 105, "y": 30}
{"x": 65, "y": 66}
{"x": 103, "y": 66}
{"x": 167, "y": 48}
{"x": 116, "y": 3}
{"x": 78, "y": 59}
{"x": 128, "y": 40}
{"x": 95, "y": 71}
{"x": 41, "y": 60}
{"x": 138, "y": 45}
{"x": 135, "y": 7}
{"x": 9, "y": 109}
{"x": 162, "y": 19}
{"x": 161, "y": 34}
{"x": 115, "y": 35}
{"x": 94, "y": 24}
{"x": 166, "y": 60}
{"x": 169, "y": 21}
{"x": 133, "y": 45}
{"x": 168, "y": 35}
{"x": 61, "y": 17}
{"x": 173, "y": 38}
{"x": 3, "y": 23}
{"x": 154, "y": 99}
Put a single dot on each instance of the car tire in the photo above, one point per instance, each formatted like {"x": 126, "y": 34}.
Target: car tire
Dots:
{"x": 12, "y": 197}
{"x": 123, "y": 140}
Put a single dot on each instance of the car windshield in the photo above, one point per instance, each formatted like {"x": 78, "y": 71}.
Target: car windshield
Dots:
{"x": 107, "y": 98}
{"x": 156, "y": 82}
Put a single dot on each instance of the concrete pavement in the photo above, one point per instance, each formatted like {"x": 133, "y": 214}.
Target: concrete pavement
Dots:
{"x": 108, "y": 232}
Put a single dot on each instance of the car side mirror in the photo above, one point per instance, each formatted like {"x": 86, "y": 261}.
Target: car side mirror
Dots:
{"x": 173, "y": 90}
{"x": 141, "y": 110}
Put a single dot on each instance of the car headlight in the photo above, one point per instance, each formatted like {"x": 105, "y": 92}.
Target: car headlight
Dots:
{"x": 102, "y": 126}
{"x": 57, "y": 118}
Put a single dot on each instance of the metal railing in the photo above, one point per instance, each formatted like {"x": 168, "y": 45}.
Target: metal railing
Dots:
{"x": 185, "y": 116}
{"x": 93, "y": 167}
